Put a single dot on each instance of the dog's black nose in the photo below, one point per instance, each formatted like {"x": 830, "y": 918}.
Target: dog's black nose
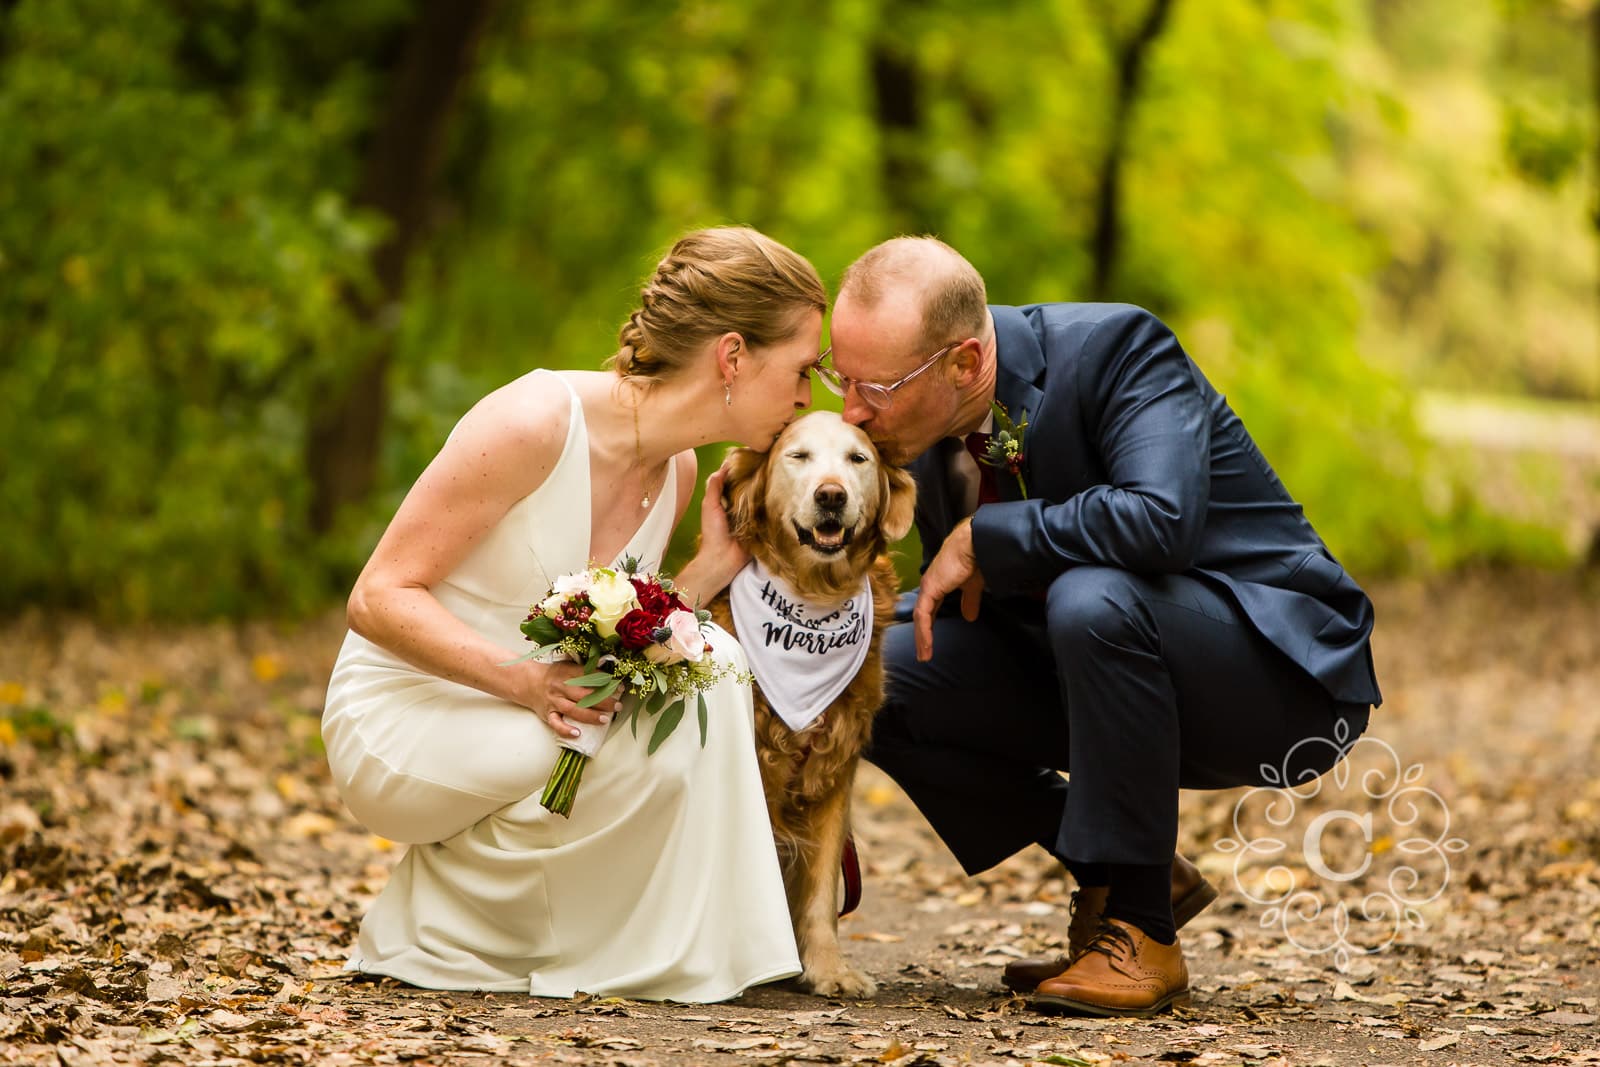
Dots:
{"x": 830, "y": 496}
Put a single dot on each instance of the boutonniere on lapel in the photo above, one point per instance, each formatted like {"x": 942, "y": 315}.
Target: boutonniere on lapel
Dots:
{"x": 1005, "y": 447}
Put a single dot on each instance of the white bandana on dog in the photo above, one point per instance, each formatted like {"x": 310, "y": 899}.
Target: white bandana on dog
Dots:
{"x": 802, "y": 656}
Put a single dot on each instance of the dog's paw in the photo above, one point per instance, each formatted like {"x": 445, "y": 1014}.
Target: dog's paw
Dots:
{"x": 841, "y": 981}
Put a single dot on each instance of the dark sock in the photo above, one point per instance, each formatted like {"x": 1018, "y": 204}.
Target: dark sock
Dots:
{"x": 1141, "y": 894}
{"x": 1087, "y": 875}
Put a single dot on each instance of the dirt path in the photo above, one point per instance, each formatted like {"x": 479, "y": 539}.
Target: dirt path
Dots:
{"x": 178, "y": 882}
{"x": 1536, "y": 460}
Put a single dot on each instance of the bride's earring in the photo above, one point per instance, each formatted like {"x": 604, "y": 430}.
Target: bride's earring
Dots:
{"x": 727, "y": 393}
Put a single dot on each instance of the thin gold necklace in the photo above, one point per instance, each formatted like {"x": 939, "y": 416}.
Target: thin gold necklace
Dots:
{"x": 638, "y": 457}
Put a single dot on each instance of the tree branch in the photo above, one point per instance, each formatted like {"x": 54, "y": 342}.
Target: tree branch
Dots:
{"x": 1106, "y": 244}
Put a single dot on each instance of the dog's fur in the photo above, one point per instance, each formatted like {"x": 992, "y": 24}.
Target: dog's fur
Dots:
{"x": 784, "y": 506}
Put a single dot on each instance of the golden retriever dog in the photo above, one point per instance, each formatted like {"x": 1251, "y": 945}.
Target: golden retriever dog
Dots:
{"x": 817, "y": 512}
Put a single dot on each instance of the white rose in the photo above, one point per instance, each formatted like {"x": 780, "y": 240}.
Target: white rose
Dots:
{"x": 613, "y": 597}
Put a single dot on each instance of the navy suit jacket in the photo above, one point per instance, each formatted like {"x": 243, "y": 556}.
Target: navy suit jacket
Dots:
{"x": 1133, "y": 460}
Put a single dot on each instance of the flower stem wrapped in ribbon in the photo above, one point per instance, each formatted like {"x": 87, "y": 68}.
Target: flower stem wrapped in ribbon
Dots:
{"x": 1004, "y": 448}
{"x": 635, "y": 636}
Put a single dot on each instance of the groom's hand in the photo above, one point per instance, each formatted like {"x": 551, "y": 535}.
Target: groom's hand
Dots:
{"x": 954, "y": 567}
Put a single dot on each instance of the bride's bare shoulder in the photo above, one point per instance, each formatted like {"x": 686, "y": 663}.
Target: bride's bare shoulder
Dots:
{"x": 536, "y": 406}
{"x": 519, "y": 430}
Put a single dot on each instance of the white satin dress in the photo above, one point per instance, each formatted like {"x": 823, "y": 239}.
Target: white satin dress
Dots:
{"x": 663, "y": 884}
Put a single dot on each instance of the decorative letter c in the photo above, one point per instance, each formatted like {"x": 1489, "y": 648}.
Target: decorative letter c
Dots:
{"x": 1313, "y": 845}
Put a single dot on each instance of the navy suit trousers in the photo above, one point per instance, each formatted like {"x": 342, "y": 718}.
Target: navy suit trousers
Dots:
{"x": 1135, "y": 685}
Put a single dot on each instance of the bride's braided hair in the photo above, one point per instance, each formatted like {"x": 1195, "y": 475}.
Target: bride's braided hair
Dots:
{"x": 716, "y": 281}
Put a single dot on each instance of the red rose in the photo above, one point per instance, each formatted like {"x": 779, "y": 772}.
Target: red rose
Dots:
{"x": 635, "y": 628}
{"x": 655, "y": 600}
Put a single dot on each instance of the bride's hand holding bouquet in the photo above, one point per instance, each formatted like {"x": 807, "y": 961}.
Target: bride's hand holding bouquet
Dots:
{"x": 641, "y": 649}
{"x": 546, "y": 689}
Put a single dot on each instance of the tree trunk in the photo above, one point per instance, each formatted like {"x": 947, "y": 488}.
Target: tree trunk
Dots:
{"x": 346, "y": 427}
{"x": 1592, "y": 557}
{"x": 1594, "y": 76}
{"x": 721, "y": 118}
{"x": 1107, "y": 241}
{"x": 897, "y": 89}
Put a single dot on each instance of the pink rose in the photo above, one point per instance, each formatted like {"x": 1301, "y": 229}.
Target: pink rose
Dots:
{"x": 686, "y": 639}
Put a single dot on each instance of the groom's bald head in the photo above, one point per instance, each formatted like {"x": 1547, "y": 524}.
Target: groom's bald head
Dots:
{"x": 929, "y": 279}
{"x": 912, "y": 316}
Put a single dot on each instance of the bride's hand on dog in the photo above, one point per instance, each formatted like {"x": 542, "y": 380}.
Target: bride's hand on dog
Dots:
{"x": 954, "y": 567}
{"x": 549, "y": 696}
{"x": 716, "y": 537}
{"x": 719, "y": 556}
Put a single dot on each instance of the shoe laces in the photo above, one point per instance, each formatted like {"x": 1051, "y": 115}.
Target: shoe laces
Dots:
{"x": 1111, "y": 941}
{"x": 1081, "y": 924}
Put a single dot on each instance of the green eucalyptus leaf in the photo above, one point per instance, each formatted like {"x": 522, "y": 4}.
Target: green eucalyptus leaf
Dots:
{"x": 541, "y": 630}
{"x": 598, "y": 695}
{"x": 665, "y": 725}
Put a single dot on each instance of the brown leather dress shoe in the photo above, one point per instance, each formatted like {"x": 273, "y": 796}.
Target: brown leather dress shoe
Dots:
{"x": 1191, "y": 894}
{"x": 1120, "y": 972}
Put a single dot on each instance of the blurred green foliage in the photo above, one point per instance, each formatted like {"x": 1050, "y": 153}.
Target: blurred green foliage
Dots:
{"x": 1332, "y": 202}
{"x": 173, "y": 248}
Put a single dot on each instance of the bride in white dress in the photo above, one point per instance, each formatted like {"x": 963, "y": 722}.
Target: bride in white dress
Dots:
{"x": 664, "y": 882}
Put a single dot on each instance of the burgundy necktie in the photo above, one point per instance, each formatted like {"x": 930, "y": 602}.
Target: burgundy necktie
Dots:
{"x": 977, "y": 444}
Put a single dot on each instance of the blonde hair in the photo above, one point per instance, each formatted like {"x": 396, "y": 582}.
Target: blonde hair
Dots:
{"x": 727, "y": 279}
{"x": 955, "y": 305}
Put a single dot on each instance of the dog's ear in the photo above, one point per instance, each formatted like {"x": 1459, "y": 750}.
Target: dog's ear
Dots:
{"x": 744, "y": 491}
{"x": 899, "y": 503}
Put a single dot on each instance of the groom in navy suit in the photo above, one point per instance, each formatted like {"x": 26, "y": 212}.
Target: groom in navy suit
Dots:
{"x": 1141, "y": 602}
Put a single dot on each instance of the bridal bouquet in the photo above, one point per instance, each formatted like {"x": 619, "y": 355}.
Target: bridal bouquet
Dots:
{"x": 635, "y": 636}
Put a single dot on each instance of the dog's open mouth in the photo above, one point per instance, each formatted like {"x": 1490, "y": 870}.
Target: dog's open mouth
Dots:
{"x": 828, "y": 536}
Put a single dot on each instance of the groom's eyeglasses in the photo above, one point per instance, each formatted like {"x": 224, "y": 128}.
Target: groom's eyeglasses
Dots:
{"x": 876, "y": 395}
